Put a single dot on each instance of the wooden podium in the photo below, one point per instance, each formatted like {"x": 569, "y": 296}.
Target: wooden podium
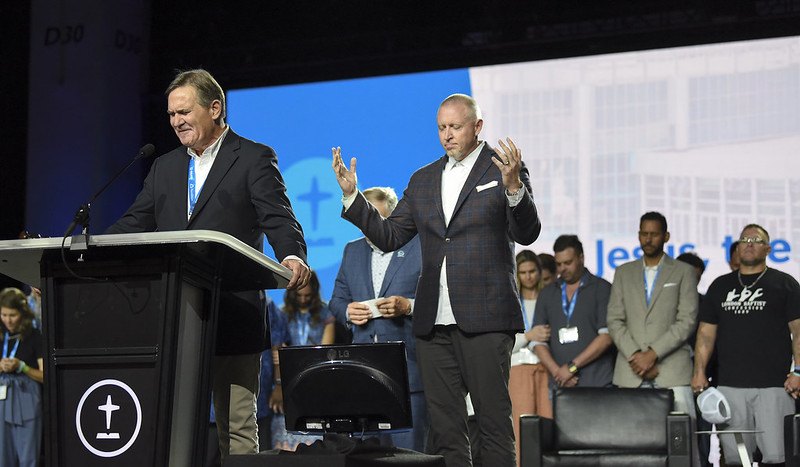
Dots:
{"x": 129, "y": 343}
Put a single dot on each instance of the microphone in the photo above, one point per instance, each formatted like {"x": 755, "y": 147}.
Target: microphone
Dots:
{"x": 82, "y": 215}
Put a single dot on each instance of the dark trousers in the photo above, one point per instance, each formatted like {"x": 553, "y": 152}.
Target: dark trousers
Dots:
{"x": 703, "y": 441}
{"x": 453, "y": 363}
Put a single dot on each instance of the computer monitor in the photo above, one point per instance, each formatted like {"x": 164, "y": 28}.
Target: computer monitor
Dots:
{"x": 357, "y": 388}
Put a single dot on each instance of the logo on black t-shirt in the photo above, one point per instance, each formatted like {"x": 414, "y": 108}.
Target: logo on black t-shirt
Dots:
{"x": 744, "y": 302}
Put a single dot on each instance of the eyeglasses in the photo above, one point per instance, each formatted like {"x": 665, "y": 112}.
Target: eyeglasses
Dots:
{"x": 756, "y": 240}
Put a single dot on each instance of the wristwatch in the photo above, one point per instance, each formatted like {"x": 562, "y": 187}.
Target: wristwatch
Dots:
{"x": 572, "y": 367}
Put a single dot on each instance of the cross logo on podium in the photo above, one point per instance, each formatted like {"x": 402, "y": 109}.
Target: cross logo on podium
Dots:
{"x": 113, "y": 428}
{"x": 108, "y": 408}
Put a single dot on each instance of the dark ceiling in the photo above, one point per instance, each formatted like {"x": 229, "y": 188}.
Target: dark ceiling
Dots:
{"x": 262, "y": 43}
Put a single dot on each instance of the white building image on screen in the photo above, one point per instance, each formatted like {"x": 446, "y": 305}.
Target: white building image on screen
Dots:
{"x": 707, "y": 135}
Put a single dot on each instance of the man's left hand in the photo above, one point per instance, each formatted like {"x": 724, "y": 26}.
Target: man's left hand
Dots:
{"x": 571, "y": 383}
{"x": 641, "y": 362}
{"x": 300, "y": 273}
{"x": 563, "y": 376}
{"x": 394, "y": 306}
{"x": 509, "y": 162}
{"x": 792, "y": 385}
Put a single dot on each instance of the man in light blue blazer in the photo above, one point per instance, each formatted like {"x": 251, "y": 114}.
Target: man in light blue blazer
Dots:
{"x": 389, "y": 280}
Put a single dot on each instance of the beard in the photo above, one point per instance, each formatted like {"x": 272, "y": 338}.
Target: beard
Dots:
{"x": 456, "y": 154}
{"x": 752, "y": 262}
{"x": 654, "y": 251}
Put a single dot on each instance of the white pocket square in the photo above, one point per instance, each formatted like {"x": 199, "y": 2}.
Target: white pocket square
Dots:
{"x": 670, "y": 284}
{"x": 491, "y": 184}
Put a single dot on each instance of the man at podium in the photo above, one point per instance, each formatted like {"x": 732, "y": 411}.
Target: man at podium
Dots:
{"x": 218, "y": 180}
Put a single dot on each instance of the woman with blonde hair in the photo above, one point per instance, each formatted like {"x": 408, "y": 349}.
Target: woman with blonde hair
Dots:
{"x": 527, "y": 384}
{"x": 21, "y": 375}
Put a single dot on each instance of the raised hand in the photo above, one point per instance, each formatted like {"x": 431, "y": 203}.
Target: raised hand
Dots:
{"x": 347, "y": 178}
{"x": 509, "y": 162}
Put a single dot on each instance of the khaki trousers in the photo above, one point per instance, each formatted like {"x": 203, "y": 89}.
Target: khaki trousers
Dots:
{"x": 235, "y": 388}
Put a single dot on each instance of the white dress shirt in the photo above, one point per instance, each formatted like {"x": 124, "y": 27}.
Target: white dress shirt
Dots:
{"x": 453, "y": 179}
{"x": 202, "y": 166}
{"x": 380, "y": 263}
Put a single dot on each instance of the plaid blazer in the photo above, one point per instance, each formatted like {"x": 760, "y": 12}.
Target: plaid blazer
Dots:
{"x": 478, "y": 244}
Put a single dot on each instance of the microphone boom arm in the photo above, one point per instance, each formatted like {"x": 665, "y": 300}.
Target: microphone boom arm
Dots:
{"x": 82, "y": 214}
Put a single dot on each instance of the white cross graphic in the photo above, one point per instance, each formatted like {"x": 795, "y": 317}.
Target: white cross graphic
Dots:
{"x": 108, "y": 408}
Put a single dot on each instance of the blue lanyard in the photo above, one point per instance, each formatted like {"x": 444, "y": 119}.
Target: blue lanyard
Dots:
{"x": 648, "y": 291}
{"x": 193, "y": 188}
{"x": 303, "y": 327}
{"x": 5, "y": 347}
{"x": 569, "y": 307}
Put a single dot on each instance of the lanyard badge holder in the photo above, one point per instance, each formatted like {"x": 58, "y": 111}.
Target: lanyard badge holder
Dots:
{"x": 568, "y": 334}
{"x": 4, "y": 386}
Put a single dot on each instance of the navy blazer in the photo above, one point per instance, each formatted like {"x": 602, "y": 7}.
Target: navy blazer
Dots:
{"x": 478, "y": 244}
{"x": 354, "y": 284}
{"x": 244, "y": 196}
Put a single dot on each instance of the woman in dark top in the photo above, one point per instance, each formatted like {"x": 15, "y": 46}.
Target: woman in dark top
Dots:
{"x": 21, "y": 375}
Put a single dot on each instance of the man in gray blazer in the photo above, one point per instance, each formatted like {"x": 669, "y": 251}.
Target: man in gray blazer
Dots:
{"x": 468, "y": 208}
{"x": 651, "y": 313}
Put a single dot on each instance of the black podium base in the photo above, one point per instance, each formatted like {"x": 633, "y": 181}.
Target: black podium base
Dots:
{"x": 338, "y": 451}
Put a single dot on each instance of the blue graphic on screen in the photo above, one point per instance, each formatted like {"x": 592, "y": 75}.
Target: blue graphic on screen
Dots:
{"x": 388, "y": 123}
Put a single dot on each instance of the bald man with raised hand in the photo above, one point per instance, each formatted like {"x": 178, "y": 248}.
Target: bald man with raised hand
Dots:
{"x": 468, "y": 208}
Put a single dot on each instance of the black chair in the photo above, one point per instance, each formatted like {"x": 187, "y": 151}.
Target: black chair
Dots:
{"x": 607, "y": 427}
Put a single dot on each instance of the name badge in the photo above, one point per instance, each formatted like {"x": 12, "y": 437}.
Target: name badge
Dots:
{"x": 568, "y": 335}
{"x": 3, "y": 392}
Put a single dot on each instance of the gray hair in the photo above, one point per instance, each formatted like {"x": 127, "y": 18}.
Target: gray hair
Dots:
{"x": 208, "y": 90}
{"x": 382, "y": 193}
{"x": 472, "y": 104}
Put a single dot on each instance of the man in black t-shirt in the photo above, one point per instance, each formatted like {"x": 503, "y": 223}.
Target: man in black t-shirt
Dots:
{"x": 751, "y": 315}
